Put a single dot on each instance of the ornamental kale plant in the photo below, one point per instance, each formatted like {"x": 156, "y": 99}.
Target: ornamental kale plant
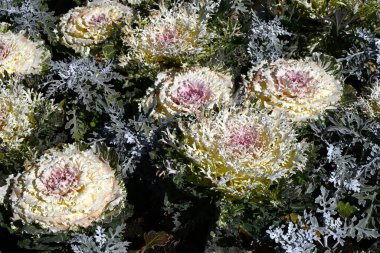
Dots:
{"x": 189, "y": 126}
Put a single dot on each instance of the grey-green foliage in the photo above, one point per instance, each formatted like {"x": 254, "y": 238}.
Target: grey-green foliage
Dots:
{"x": 87, "y": 84}
{"x": 77, "y": 127}
{"x": 265, "y": 43}
{"x": 82, "y": 82}
{"x": 362, "y": 60}
{"x": 239, "y": 6}
{"x": 131, "y": 138}
{"x": 123, "y": 138}
{"x": 352, "y": 145}
{"x": 32, "y": 16}
{"x": 295, "y": 237}
{"x": 321, "y": 228}
{"x": 85, "y": 78}
{"x": 347, "y": 199}
{"x": 101, "y": 241}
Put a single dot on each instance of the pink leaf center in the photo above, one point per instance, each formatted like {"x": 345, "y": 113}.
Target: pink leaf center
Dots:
{"x": 4, "y": 50}
{"x": 294, "y": 83}
{"x": 167, "y": 36}
{"x": 245, "y": 139}
{"x": 98, "y": 20}
{"x": 61, "y": 179}
{"x": 193, "y": 93}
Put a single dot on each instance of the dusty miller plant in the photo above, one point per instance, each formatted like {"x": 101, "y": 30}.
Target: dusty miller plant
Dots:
{"x": 101, "y": 241}
{"x": 348, "y": 204}
{"x": 83, "y": 82}
{"x": 88, "y": 79}
{"x": 131, "y": 138}
{"x": 352, "y": 145}
{"x": 124, "y": 137}
{"x": 321, "y": 228}
{"x": 362, "y": 60}
{"x": 32, "y": 16}
{"x": 265, "y": 43}
{"x": 239, "y": 6}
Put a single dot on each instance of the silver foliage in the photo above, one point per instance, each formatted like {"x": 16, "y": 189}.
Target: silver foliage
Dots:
{"x": 88, "y": 79}
{"x": 362, "y": 60}
{"x": 84, "y": 82}
{"x": 265, "y": 43}
{"x": 31, "y": 16}
{"x": 350, "y": 169}
{"x": 323, "y": 228}
{"x": 101, "y": 241}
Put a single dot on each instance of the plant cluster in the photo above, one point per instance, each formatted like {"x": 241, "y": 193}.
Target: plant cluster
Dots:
{"x": 189, "y": 126}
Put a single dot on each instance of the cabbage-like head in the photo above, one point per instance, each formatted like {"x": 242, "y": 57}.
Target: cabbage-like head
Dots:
{"x": 87, "y": 28}
{"x": 67, "y": 189}
{"x": 301, "y": 90}
{"x": 171, "y": 35}
{"x": 189, "y": 92}
{"x": 18, "y": 106}
{"x": 242, "y": 152}
{"x": 21, "y": 56}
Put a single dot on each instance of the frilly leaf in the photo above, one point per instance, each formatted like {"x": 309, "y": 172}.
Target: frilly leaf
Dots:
{"x": 328, "y": 63}
{"x": 155, "y": 239}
